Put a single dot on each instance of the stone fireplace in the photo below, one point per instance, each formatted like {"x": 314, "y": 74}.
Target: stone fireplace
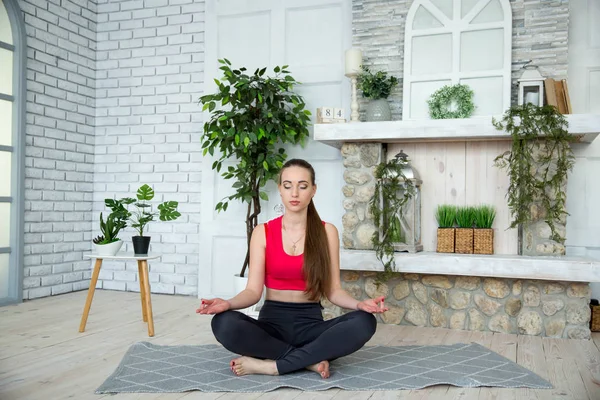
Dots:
{"x": 538, "y": 294}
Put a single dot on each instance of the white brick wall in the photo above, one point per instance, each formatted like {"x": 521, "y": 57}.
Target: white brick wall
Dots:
{"x": 149, "y": 75}
{"x": 59, "y": 144}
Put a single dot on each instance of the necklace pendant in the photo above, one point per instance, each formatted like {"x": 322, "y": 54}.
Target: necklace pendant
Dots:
{"x": 294, "y": 249}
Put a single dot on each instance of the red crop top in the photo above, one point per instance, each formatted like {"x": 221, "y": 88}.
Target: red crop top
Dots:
{"x": 282, "y": 271}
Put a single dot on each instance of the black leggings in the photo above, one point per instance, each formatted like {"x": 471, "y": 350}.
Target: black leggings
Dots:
{"x": 293, "y": 334}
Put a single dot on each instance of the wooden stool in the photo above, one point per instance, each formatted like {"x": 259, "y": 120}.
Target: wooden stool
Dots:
{"x": 142, "y": 262}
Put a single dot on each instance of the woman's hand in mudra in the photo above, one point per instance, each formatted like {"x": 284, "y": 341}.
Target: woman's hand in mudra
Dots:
{"x": 213, "y": 306}
{"x": 374, "y": 306}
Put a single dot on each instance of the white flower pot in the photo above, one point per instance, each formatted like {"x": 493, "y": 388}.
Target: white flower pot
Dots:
{"x": 108, "y": 249}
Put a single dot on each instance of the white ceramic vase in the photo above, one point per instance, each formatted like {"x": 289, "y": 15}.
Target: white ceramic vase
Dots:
{"x": 108, "y": 249}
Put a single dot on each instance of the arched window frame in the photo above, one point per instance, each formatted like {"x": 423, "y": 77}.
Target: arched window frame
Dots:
{"x": 17, "y": 198}
{"x": 456, "y": 27}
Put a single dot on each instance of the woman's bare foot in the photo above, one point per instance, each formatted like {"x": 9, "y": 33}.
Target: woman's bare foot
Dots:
{"x": 321, "y": 368}
{"x": 248, "y": 365}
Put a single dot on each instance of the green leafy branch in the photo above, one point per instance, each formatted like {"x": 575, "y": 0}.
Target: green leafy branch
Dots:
{"x": 538, "y": 163}
{"x": 251, "y": 118}
{"x": 392, "y": 192}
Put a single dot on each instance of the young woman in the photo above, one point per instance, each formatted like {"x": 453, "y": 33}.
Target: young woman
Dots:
{"x": 296, "y": 257}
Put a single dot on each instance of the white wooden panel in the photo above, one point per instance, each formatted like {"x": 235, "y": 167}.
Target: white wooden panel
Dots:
{"x": 442, "y": 169}
{"x": 5, "y": 30}
{"x": 421, "y": 92}
{"x": 242, "y": 50}
{"x": 492, "y": 12}
{"x": 585, "y": 127}
{"x": 583, "y": 195}
{"x": 431, "y": 55}
{"x": 6, "y": 66}
{"x": 467, "y": 6}
{"x": 4, "y": 276}
{"x": 424, "y": 20}
{"x": 4, "y": 226}
{"x": 594, "y": 90}
{"x": 476, "y": 43}
{"x": 5, "y": 122}
{"x": 570, "y": 269}
{"x": 488, "y": 95}
{"x": 487, "y": 184}
{"x": 5, "y": 173}
{"x": 227, "y": 258}
{"x": 310, "y": 50}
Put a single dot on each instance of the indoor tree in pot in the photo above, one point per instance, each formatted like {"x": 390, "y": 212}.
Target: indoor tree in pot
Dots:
{"x": 377, "y": 87}
{"x": 142, "y": 215}
{"x": 251, "y": 118}
{"x": 109, "y": 244}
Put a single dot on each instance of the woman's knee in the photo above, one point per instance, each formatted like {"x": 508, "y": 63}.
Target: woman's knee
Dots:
{"x": 224, "y": 325}
{"x": 365, "y": 323}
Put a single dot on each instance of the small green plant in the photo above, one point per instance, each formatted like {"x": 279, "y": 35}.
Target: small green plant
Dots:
{"x": 484, "y": 216}
{"x": 465, "y": 217}
{"x": 375, "y": 85}
{"x": 110, "y": 229}
{"x": 143, "y": 214}
{"x": 445, "y": 214}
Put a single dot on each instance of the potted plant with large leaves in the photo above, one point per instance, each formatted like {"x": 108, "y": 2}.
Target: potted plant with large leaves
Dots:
{"x": 142, "y": 215}
{"x": 251, "y": 117}
{"x": 108, "y": 244}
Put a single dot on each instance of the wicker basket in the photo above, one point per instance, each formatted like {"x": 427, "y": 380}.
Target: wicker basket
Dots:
{"x": 464, "y": 241}
{"x": 445, "y": 240}
{"x": 483, "y": 241}
{"x": 595, "y": 319}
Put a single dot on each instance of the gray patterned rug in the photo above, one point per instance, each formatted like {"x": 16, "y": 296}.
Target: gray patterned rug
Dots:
{"x": 149, "y": 368}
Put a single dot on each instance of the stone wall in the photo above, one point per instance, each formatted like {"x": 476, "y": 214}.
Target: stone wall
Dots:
{"x": 541, "y": 308}
{"x": 359, "y": 163}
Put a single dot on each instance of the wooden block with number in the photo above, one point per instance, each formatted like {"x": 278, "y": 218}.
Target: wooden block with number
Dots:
{"x": 324, "y": 115}
{"x": 338, "y": 113}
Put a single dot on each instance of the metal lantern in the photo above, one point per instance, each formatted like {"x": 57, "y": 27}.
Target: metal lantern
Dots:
{"x": 407, "y": 226}
{"x": 531, "y": 86}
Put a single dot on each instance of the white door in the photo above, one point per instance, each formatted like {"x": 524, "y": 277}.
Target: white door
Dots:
{"x": 310, "y": 36}
{"x": 583, "y": 192}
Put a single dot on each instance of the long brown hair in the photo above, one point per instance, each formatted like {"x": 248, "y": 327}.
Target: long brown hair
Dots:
{"x": 317, "y": 264}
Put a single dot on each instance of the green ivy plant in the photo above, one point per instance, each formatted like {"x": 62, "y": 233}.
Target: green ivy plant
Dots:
{"x": 392, "y": 192}
{"x": 142, "y": 214}
{"x": 375, "y": 85}
{"x": 538, "y": 163}
{"x": 251, "y": 118}
{"x": 439, "y": 102}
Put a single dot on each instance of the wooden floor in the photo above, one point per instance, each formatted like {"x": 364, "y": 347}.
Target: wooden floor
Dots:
{"x": 42, "y": 355}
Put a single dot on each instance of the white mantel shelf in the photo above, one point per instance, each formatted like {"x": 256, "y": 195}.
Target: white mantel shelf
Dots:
{"x": 584, "y": 126}
{"x": 571, "y": 269}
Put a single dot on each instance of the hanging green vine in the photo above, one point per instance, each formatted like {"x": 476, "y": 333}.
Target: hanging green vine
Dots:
{"x": 537, "y": 163}
{"x": 392, "y": 192}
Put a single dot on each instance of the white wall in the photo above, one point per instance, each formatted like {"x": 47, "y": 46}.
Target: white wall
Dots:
{"x": 150, "y": 73}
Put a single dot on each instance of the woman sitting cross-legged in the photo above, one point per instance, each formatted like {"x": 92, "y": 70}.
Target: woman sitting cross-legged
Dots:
{"x": 296, "y": 257}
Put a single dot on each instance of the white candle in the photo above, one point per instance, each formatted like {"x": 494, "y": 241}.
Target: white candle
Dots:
{"x": 353, "y": 61}
{"x": 532, "y": 97}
